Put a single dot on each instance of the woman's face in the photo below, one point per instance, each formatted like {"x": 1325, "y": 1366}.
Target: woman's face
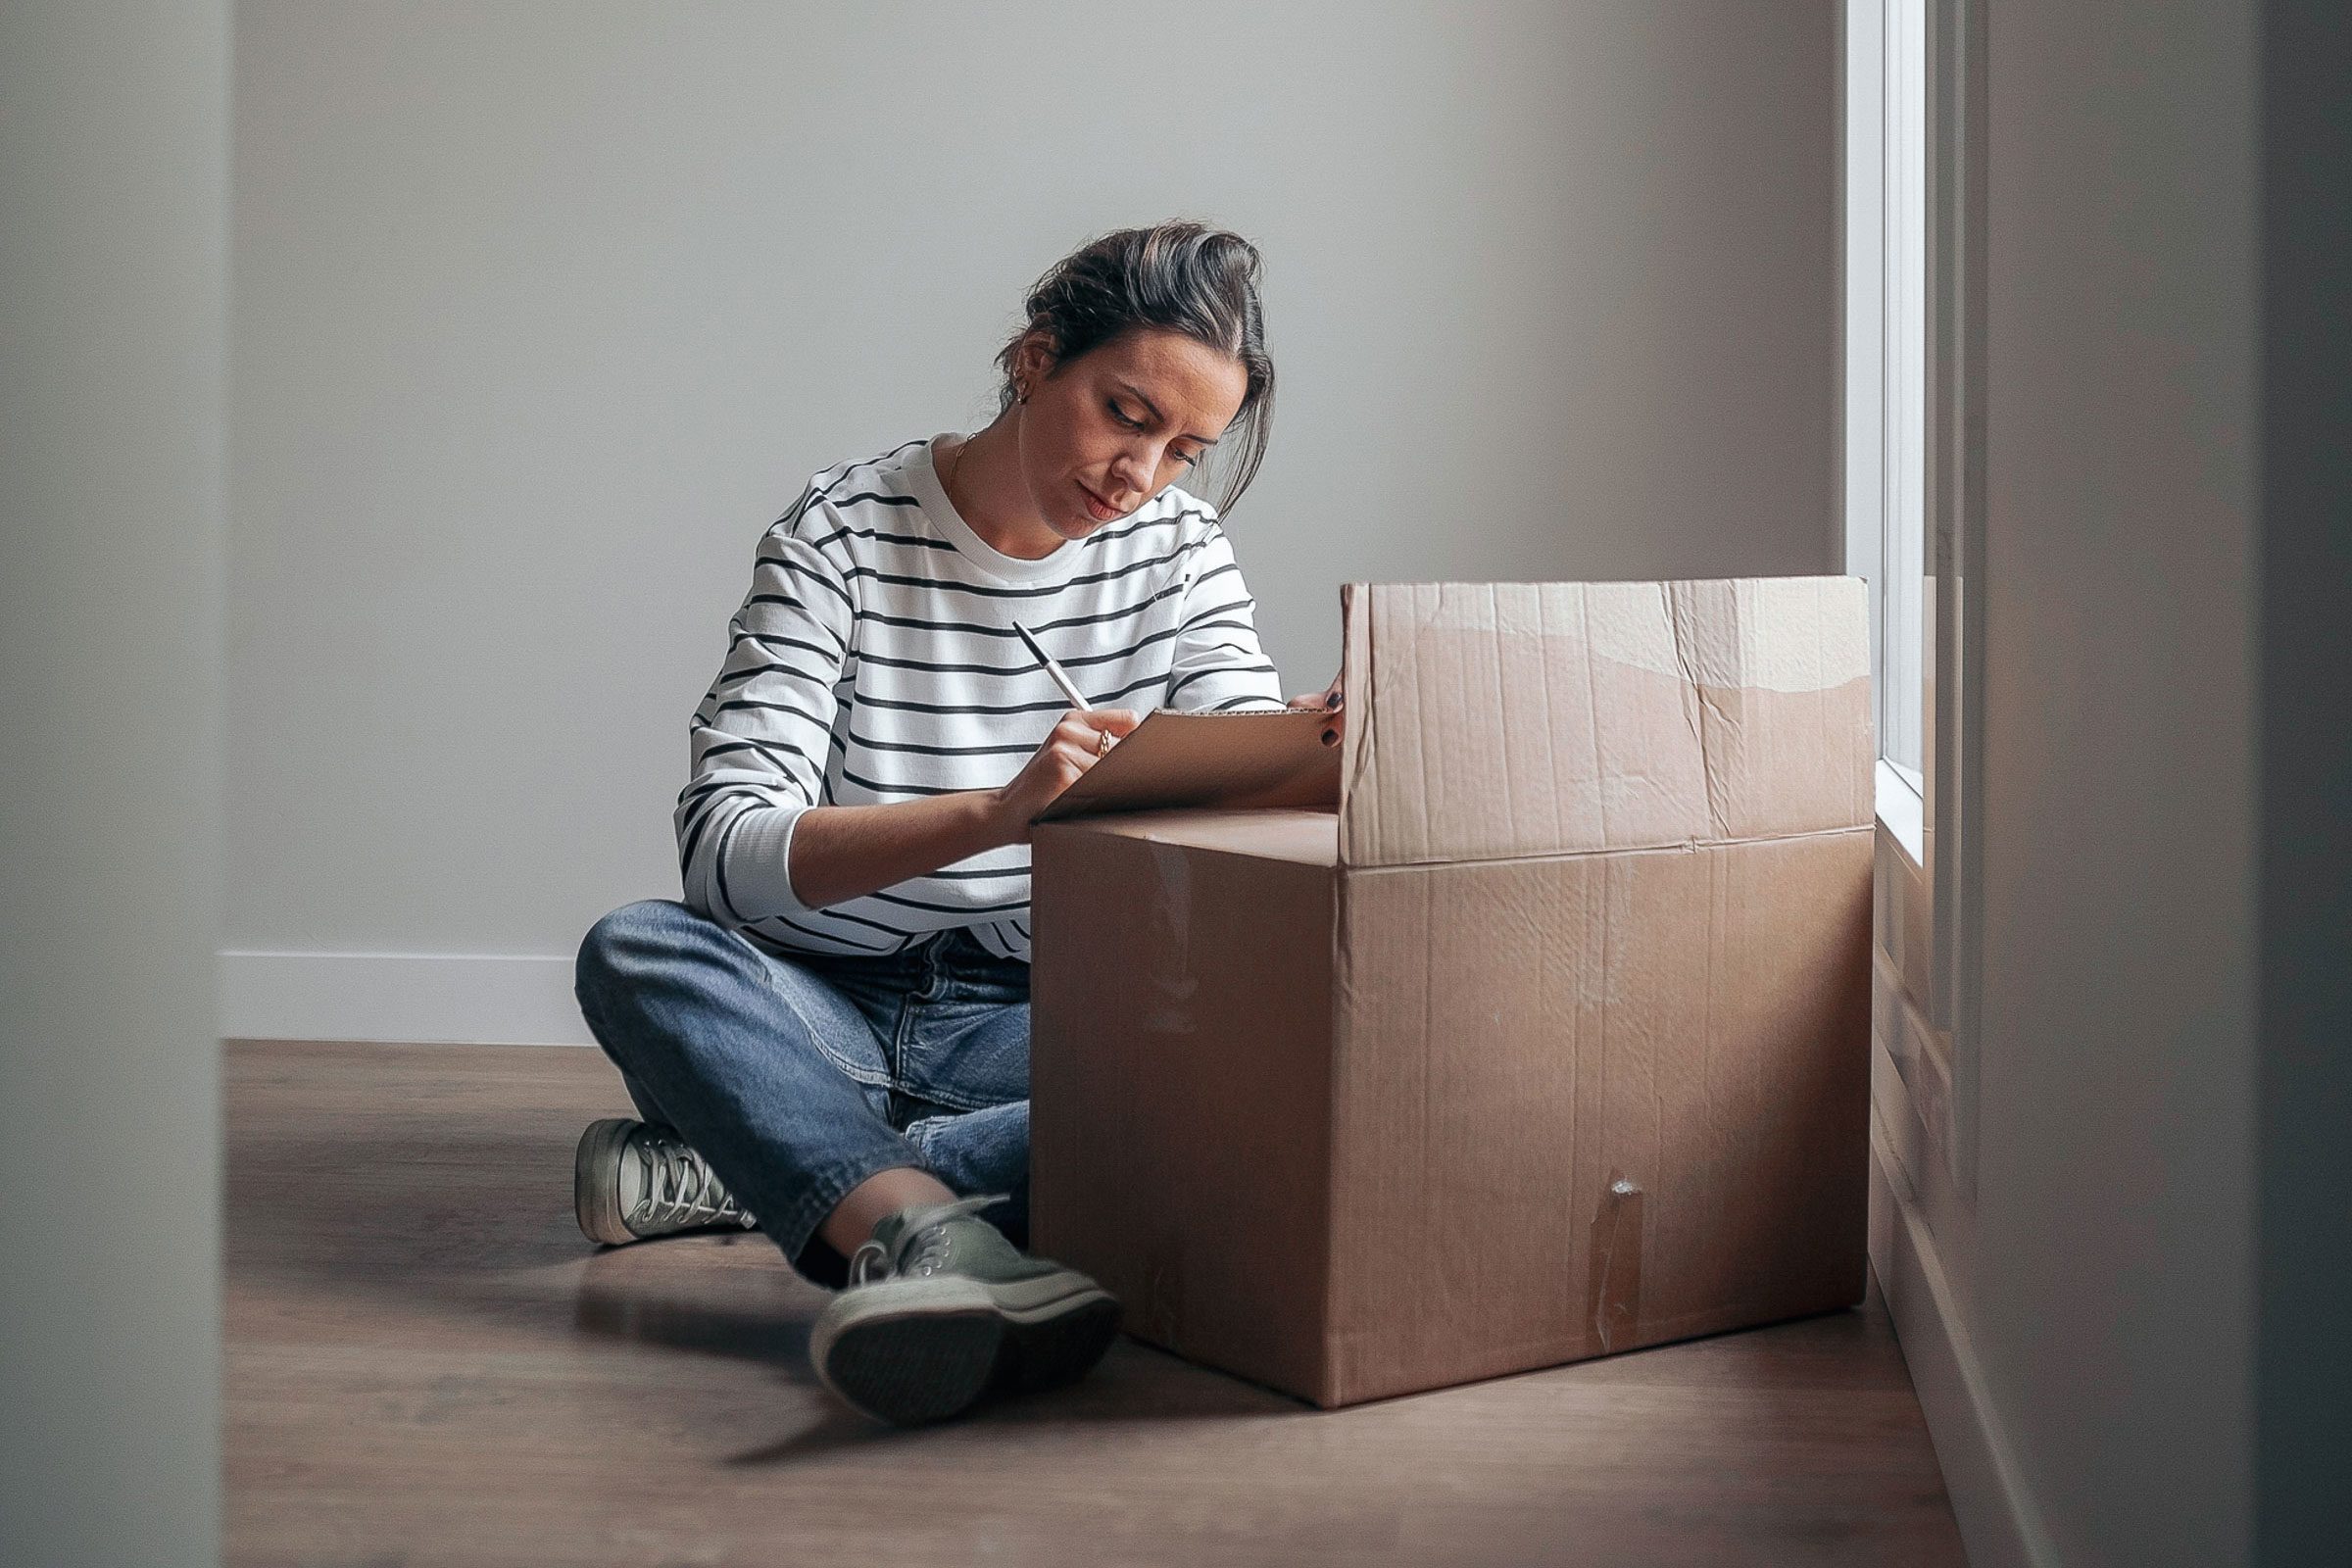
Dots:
{"x": 1107, "y": 431}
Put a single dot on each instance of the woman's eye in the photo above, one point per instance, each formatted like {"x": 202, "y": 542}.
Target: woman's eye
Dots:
{"x": 1120, "y": 414}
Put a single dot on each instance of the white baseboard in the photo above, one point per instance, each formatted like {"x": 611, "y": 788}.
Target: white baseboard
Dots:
{"x": 422, "y": 997}
{"x": 1999, "y": 1524}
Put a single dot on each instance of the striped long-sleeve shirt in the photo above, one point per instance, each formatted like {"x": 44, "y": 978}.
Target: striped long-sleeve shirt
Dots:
{"x": 875, "y": 660}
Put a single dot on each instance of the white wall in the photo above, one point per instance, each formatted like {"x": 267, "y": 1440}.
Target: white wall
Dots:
{"x": 113, "y": 293}
{"x": 2113, "y": 1284}
{"x": 2102, "y": 1281}
{"x": 545, "y": 310}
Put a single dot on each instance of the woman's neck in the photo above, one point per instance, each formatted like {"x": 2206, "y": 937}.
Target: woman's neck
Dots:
{"x": 982, "y": 477}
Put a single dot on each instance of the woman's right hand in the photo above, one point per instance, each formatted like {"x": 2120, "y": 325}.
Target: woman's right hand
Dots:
{"x": 1077, "y": 743}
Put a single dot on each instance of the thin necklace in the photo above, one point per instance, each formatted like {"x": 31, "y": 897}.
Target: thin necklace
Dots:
{"x": 955, "y": 465}
{"x": 954, "y": 468}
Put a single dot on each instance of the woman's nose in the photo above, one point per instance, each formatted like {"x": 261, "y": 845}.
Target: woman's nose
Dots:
{"x": 1132, "y": 470}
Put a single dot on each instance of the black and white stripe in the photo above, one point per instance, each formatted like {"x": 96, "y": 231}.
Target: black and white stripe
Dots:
{"x": 874, "y": 659}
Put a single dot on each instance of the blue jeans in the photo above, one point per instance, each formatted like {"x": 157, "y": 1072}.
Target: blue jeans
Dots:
{"x": 798, "y": 1078}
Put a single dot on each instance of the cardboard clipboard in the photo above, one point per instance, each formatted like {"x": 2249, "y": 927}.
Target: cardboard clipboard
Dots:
{"x": 1228, "y": 761}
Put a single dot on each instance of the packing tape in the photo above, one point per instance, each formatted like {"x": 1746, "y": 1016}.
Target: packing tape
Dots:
{"x": 1780, "y": 634}
{"x": 1158, "y": 1318}
{"x": 1169, "y": 998}
{"x": 1613, "y": 1292}
{"x": 1783, "y": 634}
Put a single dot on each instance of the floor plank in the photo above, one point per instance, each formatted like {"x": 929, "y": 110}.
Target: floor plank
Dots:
{"x": 426, "y": 1364}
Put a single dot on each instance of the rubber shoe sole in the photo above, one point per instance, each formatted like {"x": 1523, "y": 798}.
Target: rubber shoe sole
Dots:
{"x": 1051, "y": 1352}
{"x": 595, "y": 1182}
{"x": 913, "y": 1352}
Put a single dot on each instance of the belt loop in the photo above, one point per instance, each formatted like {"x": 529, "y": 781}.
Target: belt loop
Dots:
{"x": 935, "y": 969}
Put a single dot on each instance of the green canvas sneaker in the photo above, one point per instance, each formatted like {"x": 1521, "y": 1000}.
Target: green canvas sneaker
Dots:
{"x": 634, "y": 1179}
{"x": 941, "y": 1310}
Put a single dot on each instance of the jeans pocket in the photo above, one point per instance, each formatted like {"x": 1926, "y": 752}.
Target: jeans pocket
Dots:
{"x": 967, "y": 1055}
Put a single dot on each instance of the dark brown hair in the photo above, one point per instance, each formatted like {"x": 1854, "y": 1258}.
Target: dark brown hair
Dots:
{"x": 1184, "y": 276}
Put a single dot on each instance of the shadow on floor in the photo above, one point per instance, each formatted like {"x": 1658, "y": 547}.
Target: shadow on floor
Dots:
{"x": 464, "y": 1217}
{"x": 1135, "y": 1386}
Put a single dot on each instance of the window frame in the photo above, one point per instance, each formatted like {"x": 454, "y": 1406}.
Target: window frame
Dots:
{"x": 1929, "y": 882}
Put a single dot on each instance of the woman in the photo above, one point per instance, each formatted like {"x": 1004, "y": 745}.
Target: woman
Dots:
{"x": 831, "y": 1032}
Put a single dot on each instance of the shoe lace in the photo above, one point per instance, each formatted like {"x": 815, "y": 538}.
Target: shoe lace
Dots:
{"x": 924, "y": 1242}
{"x": 680, "y": 1188}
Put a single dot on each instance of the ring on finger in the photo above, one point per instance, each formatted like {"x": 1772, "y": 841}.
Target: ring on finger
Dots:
{"x": 1102, "y": 743}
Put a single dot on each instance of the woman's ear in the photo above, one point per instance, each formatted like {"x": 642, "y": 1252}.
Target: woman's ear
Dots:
{"x": 1032, "y": 361}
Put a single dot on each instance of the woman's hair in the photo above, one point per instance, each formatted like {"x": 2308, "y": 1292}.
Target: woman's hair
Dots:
{"x": 1185, "y": 277}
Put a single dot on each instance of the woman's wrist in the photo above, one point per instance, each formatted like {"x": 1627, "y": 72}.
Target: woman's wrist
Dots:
{"x": 1001, "y": 819}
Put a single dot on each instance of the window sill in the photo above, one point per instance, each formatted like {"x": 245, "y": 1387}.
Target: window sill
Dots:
{"x": 1902, "y": 812}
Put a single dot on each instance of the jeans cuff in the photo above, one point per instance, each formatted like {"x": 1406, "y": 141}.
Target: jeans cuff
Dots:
{"x": 823, "y": 1194}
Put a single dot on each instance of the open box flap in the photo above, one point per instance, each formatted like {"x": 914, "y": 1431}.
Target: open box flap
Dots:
{"x": 1492, "y": 720}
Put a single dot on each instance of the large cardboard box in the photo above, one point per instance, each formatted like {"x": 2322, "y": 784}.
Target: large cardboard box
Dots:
{"x": 1549, "y": 1041}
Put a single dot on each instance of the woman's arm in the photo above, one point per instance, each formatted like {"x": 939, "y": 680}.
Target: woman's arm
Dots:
{"x": 840, "y": 853}
{"x": 759, "y": 738}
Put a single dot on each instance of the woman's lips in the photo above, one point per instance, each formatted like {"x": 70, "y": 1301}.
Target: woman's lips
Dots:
{"x": 1099, "y": 509}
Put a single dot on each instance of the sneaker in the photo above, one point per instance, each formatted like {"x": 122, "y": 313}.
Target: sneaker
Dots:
{"x": 941, "y": 1310}
{"x": 634, "y": 1179}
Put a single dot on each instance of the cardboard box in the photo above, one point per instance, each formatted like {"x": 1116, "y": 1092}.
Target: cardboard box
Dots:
{"x": 1549, "y": 1040}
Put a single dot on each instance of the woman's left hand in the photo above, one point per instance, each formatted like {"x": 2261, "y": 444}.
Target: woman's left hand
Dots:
{"x": 1329, "y": 699}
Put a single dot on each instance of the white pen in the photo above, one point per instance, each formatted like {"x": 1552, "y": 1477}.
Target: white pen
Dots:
{"x": 1061, "y": 678}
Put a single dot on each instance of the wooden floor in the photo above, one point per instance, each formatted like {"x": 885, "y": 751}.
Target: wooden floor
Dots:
{"x": 426, "y": 1364}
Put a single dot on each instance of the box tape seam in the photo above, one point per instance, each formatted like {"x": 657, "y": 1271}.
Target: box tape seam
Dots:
{"x": 1613, "y": 1300}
